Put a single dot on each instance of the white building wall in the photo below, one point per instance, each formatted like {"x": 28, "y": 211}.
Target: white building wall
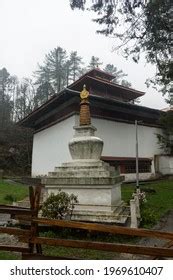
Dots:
{"x": 119, "y": 139}
{"x": 165, "y": 164}
{"x": 50, "y": 146}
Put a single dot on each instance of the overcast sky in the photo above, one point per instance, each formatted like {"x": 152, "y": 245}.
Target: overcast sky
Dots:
{"x": 31, "y": 28}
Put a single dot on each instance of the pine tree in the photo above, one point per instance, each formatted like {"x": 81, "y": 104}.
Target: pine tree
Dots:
{"x": 68, "y": 72}
{"x": 94, "y": 63}
{"x": 25, "y": 99}
{"x": 6, "y": 104}
{"x": 51, "y": 77}
{"x": 44, "y": 88}
{"x": 55, "y": 61}
{"x": 119, "y": 75}
{"x": 75, "y": 66}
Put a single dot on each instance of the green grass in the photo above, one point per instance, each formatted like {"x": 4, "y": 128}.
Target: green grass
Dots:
{"x": 86, "y": 236}
{"x": 9, "y": 256}
{"x": 15, "y": 191}
{"x": 158, "y": 203}
{"x": 80, "y": 253}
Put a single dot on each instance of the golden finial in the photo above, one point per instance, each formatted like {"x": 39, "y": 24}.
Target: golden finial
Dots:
{"x": 85, "y": 118}
{"x": 84, "y": 93}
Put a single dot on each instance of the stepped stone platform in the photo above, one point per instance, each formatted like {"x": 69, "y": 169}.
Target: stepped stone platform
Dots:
{"x": 97, "y": 186}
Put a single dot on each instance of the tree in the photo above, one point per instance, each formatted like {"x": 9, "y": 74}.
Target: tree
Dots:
{"x": 119, "y": 75}
{"x": 75, "y": 63}
{"x": 11, "y": 90}
{"x": 44, "y": 88}
{"x": 15, "y": 149}
{"x": 125, "y": 83}
{"x": 68, "y": 72}
{"x": 55, "y": 61}
{"x": 6, "y": 104}
{"x": 25, "y": 96}
{"x": 165, "y": 140}
{"x": 71, "y": 69}
{"x": 94, "y": 62}
{"x": 141, "y": 26}
{"x": 16, "y": 101}
{"x": 4, "y": 75}
{"x": 51, "y": 76}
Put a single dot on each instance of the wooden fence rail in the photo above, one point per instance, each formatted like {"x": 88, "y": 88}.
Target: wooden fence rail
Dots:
{"x": 109, "y": 247}
{"x": 33, "y": 248}
{"x": 17, "y": 211}
{"x": 106, "y": 228}
{"x": 15, "y": 231}
{"x": 26, "y": 213}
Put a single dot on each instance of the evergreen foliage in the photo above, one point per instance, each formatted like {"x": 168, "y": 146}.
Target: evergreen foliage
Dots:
{"x": 140, "y": 26}
{"x": 94, "y": 62}
{"x": 60, "y": 69}
{"x": 75, "y": 67}
{"x": 44, "y": 89}
{"x": 165, "y": 140}
{"x": 119, "y": 75}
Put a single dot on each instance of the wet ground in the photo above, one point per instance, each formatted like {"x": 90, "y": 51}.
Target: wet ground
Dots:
{"x": 165, "y": 224}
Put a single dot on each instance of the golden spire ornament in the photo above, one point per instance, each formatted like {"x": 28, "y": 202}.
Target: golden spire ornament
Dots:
{"x": 85, "y": 118}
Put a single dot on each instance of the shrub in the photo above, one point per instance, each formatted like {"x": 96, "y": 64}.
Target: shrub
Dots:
{"x": 59, "y": 206}
{"x": 10, "y": 198}
{"x": 149, "y": 216}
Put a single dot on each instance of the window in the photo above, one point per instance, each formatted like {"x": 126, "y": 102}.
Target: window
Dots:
{"x": 144, "y": 166}
{"x": 128, "y": 165}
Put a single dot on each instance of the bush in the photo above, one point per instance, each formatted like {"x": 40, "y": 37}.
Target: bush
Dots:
{"x": 59, "y": 206}
{"x": 149, "y": 217}
{"x": 10, "y": 198}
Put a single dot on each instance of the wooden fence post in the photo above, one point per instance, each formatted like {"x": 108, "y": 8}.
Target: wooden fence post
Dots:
{"x": 34, "y": 196}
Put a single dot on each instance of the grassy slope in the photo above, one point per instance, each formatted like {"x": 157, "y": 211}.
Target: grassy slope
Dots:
{"x": 9, "y": 256}
{"x": 17, "y": 191}
{"x": 161, "y": 201}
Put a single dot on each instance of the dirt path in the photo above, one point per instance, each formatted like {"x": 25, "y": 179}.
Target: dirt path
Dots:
{"x": 165, "y": 224}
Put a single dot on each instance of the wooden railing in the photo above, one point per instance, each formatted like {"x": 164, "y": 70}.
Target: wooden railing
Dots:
{"x": 25, "y": 214}
{"x": 33, "y": 242}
